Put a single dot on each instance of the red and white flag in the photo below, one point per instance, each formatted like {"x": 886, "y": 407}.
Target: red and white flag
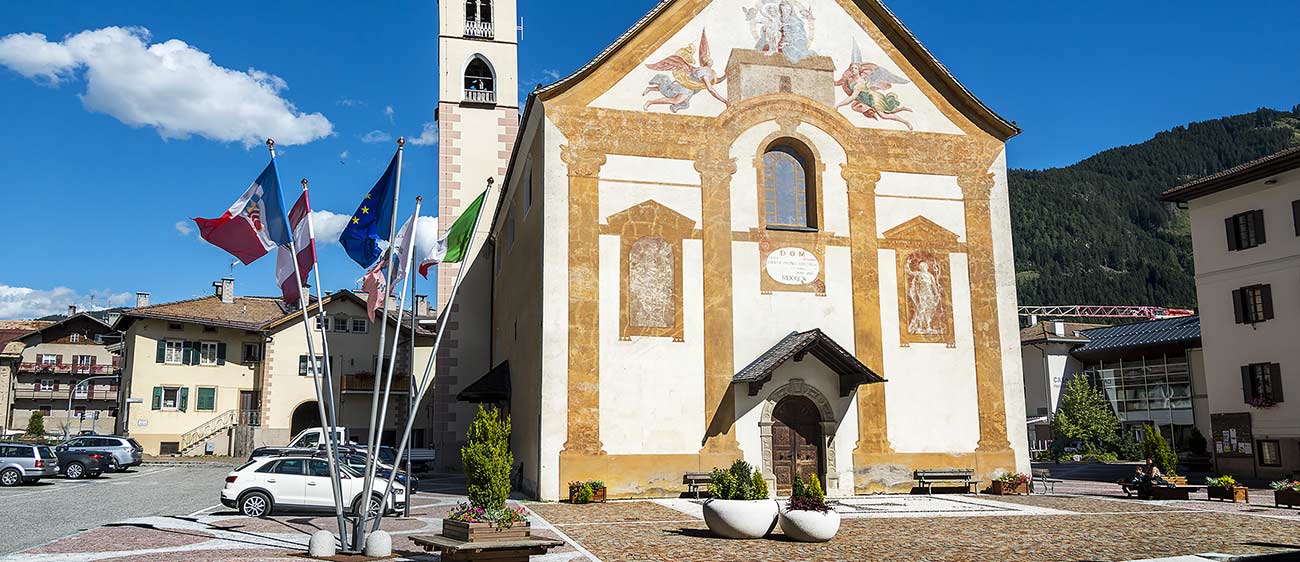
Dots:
{"x": 373, "y": 284}
{"x": 300, "y": 225}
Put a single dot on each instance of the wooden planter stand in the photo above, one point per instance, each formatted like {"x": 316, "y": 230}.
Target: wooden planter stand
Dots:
{"x": 1289, "y": 498}
{"x": 597, "y": 495}
{"x": 1004, "y": 489}
{"x": 484, "y": 532}
{"x": 1234, "y": 494}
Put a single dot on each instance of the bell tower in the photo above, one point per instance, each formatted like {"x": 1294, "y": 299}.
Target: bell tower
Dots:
{"x": 478, "y": 117}
{"x": 478, "y": 110}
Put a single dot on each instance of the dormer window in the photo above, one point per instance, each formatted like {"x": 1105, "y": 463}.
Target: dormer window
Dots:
{"x": 478, "y": 18}
{"x": 480, "y": 84}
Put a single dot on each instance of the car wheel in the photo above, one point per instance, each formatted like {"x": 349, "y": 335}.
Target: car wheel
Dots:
{"x": 121, "y": 468}
{"x": 376, "y": 500}
{"x": 255, "y": 504}
{"x": 75, "y": 471}
{"x": 10, "y": 477}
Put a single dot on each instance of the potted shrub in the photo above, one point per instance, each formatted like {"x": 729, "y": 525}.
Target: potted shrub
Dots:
{"x": 587, "y": 492}
{"x": 1226, "y": 488}
{"x": 1286, "y": 492}
{"x": 487, "y": 459}
{"x": 1011, "y": 483}
{"x": 806, "y": 517}
{"x": 739, "y": 507}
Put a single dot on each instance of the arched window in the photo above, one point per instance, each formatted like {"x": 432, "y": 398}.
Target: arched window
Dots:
{"x": 480, "y": 86}
{"x": 478, "y": 18}
{"x": 787, "y": 187}
{"x": 652, "y": 299}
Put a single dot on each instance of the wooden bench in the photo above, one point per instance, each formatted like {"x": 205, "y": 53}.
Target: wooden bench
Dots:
{"x": 696, "y": 480}
{"x": 1177, "y": 481}
{"x": 1172, "y": 493}
{"x": 1043, "y": 477}
{"x": 929, "y": 477}
{"x": 453, "y": 550}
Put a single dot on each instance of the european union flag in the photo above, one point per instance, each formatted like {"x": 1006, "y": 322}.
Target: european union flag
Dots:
{"x": 372, "y": 220}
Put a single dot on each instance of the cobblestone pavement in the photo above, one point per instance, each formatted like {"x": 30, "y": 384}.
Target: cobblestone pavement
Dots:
{"x": 1098, "y": 524}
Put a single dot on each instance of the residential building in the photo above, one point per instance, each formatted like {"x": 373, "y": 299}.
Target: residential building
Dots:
{"x": 223, "y": 373}
{"x": 69, "y": 375}
{"x": 1245, "y": 224}
{"x": 11, "y": 354}
{"x": 793, "y": 266}
{"x": 1047, "y": 363}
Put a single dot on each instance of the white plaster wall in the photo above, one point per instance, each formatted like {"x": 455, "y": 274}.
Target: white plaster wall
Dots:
{"x": 744, "y": 183}
{"x": 749, "y": 412}
{"x": 641, "y": 169}
{"x": 555, "y": 310}
{"x": 834, "y": 34}
{"x": 893, "y": 211}
{"x": 834, "y": 189}
{"x": 1008, "y": 320}
{"x": 930, "y": 397}
{"x": 619, "y": 196}
{"x": 762, "y": 320}
{"x": 651, "y": 388}
{"x": 904, "y": 184}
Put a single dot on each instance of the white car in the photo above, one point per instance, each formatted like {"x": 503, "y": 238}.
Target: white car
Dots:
{"x": 299, "y": 483}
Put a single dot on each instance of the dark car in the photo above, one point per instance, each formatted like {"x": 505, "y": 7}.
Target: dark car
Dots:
{"x": 84, "y": 464}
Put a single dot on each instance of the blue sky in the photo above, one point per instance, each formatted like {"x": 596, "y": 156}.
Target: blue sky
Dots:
{"x": 94, "y": 201}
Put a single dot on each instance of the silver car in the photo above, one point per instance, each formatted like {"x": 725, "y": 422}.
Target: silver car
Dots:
{"x": 24, "y": 463}
{"x": 125, "y": 451}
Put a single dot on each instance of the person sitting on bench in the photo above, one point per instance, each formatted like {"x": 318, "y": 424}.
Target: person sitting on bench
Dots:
{"x": 1151, "y": 477}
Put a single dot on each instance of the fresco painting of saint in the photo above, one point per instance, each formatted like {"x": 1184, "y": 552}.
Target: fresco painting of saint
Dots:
{"x": 781, "y": 26}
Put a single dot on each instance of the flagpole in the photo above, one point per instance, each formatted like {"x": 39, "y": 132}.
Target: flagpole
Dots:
{"x": 359, "y": 532}
{"x": 409, "y": 258}
{"x": 410, "y": 384}
{"x": 324, "y": 388}
{"x": 444, "y": 317}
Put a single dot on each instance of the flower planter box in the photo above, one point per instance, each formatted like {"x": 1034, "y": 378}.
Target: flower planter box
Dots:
{"x": 484, "y": 532}
{"x": 1005, "y": 489}
{"x": 597, "y": 495}
{"x": 1234, "y": 494}
{"x": 1289, "y": 498}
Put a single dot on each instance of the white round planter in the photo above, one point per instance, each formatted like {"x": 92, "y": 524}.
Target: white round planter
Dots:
{"x": 741, "y": 519}
{"x": 810, "y": 526}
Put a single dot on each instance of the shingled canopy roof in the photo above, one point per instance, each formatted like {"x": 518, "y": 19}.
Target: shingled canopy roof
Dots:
{"x": 798, "y": 344}
{"x": 492, "y": 387}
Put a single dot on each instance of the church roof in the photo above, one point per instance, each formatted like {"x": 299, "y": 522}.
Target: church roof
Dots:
{"x": 903, "y": 39}
{"x": 851, "y": 371}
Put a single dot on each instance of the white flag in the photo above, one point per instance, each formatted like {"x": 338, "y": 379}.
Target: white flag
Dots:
{"x": 403, "y": 245}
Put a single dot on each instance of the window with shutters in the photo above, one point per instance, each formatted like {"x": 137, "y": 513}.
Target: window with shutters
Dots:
{"x": 1262, "y": 384}
{"x": 1253, "y": 304}
{"x": 208, "y": 353}
{"x": 252, "y": 352}
{"x": 171, "y": 398}
{"x": 304, "y": 368}
{"x": 1245, "y": 230}
{"x": 48, "y": 359}
{"x": 175, "y": 353}
{"x": 47, "y": 385}
{"x": 322, "y": 322}
{"x": 1270, "y": 452}
{"x": 205, "y": 399}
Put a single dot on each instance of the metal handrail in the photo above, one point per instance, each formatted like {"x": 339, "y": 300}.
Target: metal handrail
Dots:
{"x": 221, "y": 421}
{"x": 480, "y": 96}
{"x": 479, "y": 29}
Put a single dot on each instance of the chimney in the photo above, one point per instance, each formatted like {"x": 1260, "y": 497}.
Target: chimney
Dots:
{"x": 72, "y": 310}
{"x": 392, "y": 302}
{"x": 141, "y": 299}
{"x": 421, "y": 306}
{"x": 1058, "y": 328}
{"x": 225, "y": 289}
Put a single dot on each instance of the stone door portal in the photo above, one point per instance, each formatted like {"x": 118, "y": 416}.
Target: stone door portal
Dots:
{"x": 796, "y": 442}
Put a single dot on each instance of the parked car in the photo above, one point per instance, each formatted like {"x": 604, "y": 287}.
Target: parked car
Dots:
{"x": 25, "y": 463}
{"x": 82, "y": 464}
{"x": 126, "y": 451}
{"x": 357, "y": 462}
{"x": 299, "y": 483}
{"x": 312, "y": 439}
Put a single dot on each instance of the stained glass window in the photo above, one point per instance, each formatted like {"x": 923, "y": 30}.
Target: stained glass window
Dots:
{"x": 785, "y": 188}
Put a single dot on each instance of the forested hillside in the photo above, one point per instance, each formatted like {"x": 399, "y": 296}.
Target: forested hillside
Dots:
{"x": 1096, "y": 232}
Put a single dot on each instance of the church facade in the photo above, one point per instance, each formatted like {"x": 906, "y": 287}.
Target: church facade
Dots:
{"x": 771, "y": 230}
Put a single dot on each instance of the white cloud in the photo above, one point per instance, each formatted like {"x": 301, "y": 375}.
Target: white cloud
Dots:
{"x": 327, "y": 226}
{"x": 551, "y": 74}
{"x": 349, "y": 102}
{"x": 184, "y": 228}
{"x": 170, "y": 86}
{"x": 26, "y": 303}
{"x": 376, "y": 136}
{"x": 428, "y": 136}
{"x": 343, "y": 155}
{"x": 388, "y": 112}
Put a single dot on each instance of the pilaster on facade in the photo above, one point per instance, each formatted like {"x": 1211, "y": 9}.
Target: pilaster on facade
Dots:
{"x": 716, "y": 169}
{"x": 976, "y": 189}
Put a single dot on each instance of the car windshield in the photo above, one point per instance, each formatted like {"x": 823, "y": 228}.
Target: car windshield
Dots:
{"x": 387, "y": 455}
{"x": 46, "y": 452}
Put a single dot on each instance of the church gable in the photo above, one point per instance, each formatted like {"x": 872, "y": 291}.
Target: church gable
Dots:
{"x": 733, "y": 50}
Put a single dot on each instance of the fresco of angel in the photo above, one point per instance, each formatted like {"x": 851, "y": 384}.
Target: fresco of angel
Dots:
{"x": 781, "y": 26}
{"x": 866, "y": 84}
{"x": 687, "y": 78}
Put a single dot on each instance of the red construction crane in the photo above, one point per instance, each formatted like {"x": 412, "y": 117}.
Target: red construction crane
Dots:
{"x": 1089, "y": 311}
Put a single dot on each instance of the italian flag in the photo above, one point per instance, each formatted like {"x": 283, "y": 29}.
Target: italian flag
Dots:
{"x": 454, "y": 245}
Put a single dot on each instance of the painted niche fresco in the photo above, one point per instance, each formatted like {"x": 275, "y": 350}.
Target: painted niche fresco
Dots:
{"x": 782, "y": 27}
{"x": 867, "y": 86}
{"x": 652, "y": 301}
{"x": 686, "y": 79}
{"x": 924, "y": 250}
{"x": 925, "y": 294}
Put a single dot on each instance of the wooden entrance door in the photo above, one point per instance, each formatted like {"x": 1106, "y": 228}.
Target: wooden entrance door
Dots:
{"x": 796, "y": 441}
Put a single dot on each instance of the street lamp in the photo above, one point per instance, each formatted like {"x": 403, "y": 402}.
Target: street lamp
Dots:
{"x": 67, "y": 414}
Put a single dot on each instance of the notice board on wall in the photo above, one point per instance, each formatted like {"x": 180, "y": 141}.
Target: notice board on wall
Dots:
{"x": 1231, "y": 435}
